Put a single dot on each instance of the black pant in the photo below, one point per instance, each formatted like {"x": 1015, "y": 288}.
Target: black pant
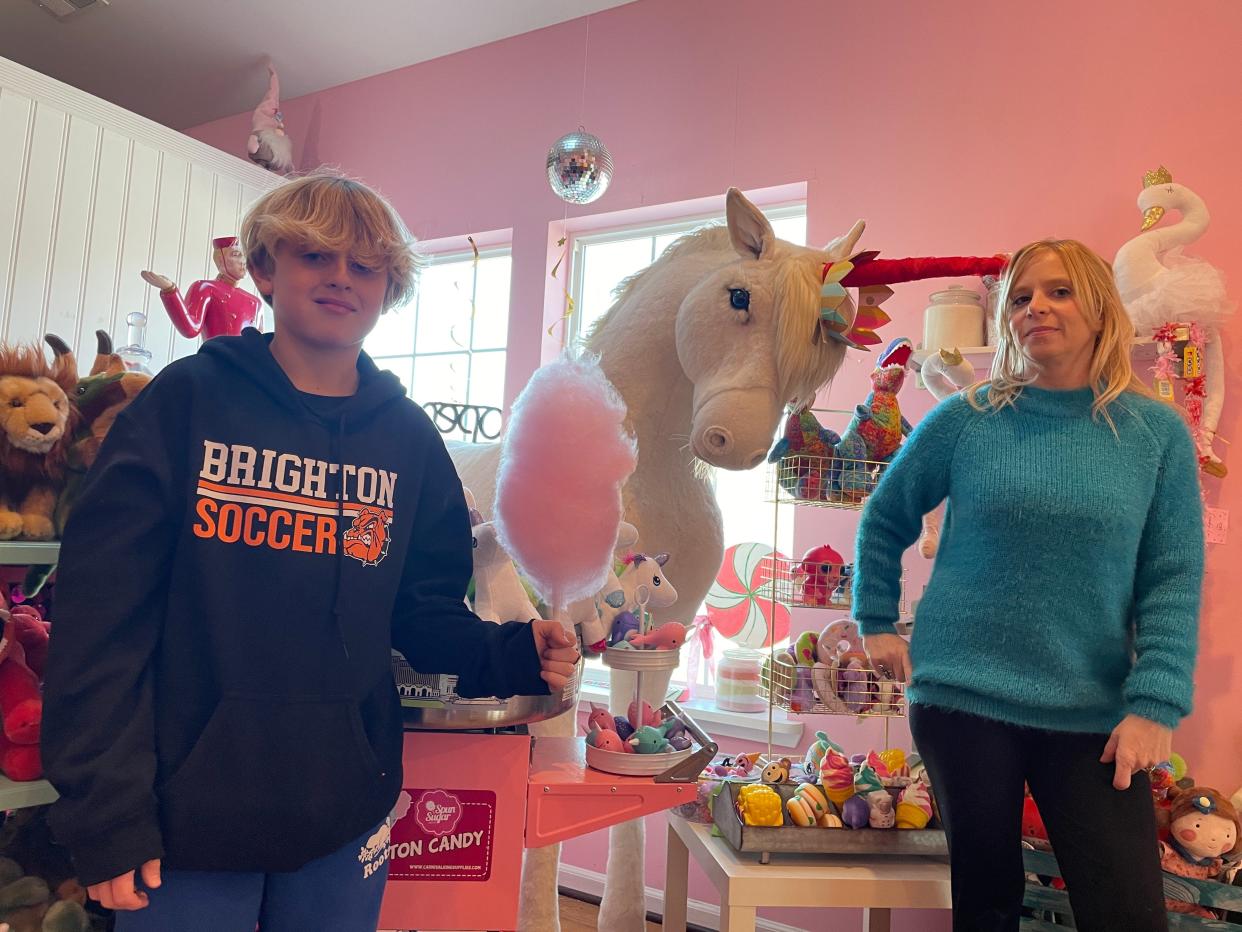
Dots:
{"x": 1104, "y": 840}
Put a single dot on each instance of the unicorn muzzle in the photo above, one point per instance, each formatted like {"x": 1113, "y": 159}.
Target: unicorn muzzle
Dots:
{"x": 732, "y": 429}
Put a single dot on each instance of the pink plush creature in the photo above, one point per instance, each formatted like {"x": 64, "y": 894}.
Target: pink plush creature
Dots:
{"x": 646, "y": 716}
{"x": 605, "y": 739}
{"x": 268, "y": 145}
{"x": 34, "y": 634}
{"x": 564, "y": 458}
{"x": 599, "y": 718}
{"x": 668, "y": 636}
{"x": 819, "y": 573}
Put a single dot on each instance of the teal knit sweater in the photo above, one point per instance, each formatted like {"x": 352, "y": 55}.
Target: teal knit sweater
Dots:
{"x": 1065, "y": 593}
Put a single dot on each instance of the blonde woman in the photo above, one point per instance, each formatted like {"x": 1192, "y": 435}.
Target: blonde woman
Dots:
{"x": 1055, "y": 643}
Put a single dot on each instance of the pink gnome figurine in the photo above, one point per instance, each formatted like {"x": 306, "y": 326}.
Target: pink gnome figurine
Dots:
{"x": 268, "y": 145}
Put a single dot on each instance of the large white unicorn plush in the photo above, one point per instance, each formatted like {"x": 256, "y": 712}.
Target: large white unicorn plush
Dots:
{"x": 705, "y": 347}
{"x": 1160, "y": 285}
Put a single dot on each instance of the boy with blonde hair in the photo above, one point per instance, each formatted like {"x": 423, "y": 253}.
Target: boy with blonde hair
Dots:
{"x": 265, "y": 522}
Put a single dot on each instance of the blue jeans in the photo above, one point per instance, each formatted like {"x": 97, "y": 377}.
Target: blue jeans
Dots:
{"x": 339, "y": 891}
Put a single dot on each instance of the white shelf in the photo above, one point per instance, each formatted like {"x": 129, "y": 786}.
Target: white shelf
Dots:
{"x": 29, "y": 552}
{"x": 22, "y": 795}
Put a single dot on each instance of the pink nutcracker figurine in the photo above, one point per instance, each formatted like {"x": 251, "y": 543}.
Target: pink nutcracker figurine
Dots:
{"x": 213, "y": 307}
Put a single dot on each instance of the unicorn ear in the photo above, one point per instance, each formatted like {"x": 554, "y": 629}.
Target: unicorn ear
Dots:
{"x": 749, "y": 230}
{"x": 627, "y": 535}
{"x": 843, "y": 246}
{"x": 661, "y": 558}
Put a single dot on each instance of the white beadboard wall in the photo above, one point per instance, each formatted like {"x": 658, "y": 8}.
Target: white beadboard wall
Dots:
{"x": 90, "y": 195}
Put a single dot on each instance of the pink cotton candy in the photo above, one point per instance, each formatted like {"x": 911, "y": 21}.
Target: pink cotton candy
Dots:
{"x": 564, "y": 458}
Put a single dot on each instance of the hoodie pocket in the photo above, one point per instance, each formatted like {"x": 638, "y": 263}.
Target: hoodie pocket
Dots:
{"x": 270, "y": 785}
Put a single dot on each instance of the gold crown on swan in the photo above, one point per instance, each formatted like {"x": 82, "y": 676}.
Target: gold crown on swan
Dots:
{"x": 1160, "y": 176}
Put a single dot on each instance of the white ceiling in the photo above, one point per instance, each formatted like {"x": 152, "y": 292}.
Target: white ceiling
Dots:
{"x": 186, "y": 62}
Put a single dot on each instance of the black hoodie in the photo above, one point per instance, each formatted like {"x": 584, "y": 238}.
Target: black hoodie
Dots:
{"x": 219, "y": 688}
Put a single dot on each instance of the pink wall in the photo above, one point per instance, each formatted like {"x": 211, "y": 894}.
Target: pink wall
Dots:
{"x": 964, "y": 127}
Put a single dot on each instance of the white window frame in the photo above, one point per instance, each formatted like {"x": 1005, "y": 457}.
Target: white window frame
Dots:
{"x": 448, "y": 258}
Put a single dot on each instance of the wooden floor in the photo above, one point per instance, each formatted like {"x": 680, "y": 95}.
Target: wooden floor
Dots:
{"x": 577, "y": 916}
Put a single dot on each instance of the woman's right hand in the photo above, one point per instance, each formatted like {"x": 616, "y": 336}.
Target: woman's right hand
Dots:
{"x": 890, "y": 655}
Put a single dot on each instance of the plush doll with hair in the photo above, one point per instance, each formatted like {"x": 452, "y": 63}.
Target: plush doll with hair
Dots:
{"x": 1205, "y": 831}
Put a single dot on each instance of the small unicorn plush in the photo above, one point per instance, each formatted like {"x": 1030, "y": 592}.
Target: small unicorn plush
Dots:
{"x": 499, "y": 595}
{"x": 645, "y": 573}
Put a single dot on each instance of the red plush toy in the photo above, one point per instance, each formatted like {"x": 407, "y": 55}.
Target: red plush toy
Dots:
{"x": 819, "y": 573}
{"x": 20, "y": 706}
{"x": 33, "y": 634}
{"x": 20, "y": 762}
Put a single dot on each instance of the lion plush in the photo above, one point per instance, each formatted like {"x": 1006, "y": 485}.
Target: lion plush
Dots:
{"x": 38, "y": 422}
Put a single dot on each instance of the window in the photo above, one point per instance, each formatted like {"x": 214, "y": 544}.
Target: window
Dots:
{"x": 448, "y": 343}
{"x": 601, "y": 262}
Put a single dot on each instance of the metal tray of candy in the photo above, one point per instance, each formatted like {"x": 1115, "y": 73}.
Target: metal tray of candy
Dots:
{"x": 429, "y": 702}
{"x": 794, "y": 839}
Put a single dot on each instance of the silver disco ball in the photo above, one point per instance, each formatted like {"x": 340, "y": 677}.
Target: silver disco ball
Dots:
{"x": 579, "y": 167}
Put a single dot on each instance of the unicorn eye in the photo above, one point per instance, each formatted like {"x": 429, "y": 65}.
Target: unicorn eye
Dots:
{"x": 739, "y": 299}
{"x": 655, "y": 581}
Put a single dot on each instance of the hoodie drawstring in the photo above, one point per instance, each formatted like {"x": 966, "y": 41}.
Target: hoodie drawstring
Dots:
{"x": 338, "y": 455}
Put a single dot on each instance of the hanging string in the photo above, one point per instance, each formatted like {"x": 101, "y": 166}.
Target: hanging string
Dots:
{"x": 569, "y": 298}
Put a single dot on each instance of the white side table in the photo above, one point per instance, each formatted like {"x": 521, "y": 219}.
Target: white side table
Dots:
{"x": 876, "y": 884}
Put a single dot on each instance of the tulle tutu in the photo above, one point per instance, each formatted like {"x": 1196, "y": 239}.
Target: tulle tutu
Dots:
{"x": 1191, "y": 291}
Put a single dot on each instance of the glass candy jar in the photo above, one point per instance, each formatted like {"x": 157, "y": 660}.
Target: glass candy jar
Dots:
{"x": 737, "y": 682}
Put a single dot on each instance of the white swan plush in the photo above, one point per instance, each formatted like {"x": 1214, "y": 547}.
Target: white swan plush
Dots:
{"x": 944, "y": 373}
{"x": 1159, "y": 285}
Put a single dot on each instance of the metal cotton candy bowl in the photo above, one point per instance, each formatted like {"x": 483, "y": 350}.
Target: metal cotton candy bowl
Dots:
{"x": 429, "y": 702}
